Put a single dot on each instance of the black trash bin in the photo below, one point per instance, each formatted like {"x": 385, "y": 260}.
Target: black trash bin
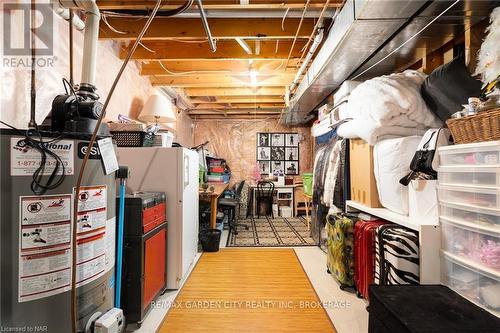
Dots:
{"x": 210, "y": 240}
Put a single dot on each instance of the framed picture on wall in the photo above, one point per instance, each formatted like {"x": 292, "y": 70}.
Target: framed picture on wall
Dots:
{"x": 263, "y": 153}
{"x": 265, "y": 167}
{"x": 291, "y": 168}
{"x": 278, "y": 167}
{"x": 277, "y": 139}
{"x": 277, "y": 153}
{"x": 291, "y": 154}
{"x": 263, "y": 140}
{"x": 292, "y": 140}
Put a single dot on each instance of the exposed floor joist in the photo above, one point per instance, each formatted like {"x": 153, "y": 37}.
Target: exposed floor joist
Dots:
{"x": 234, "y": 67}
{"x": 221, "y": 28}
{"x": 216, "y": 4}
{"x": 227, "y": 49}
{"x": 279, "y": 80}
{"x": 236, "y": 99}
{"x": 251, "y": 92}
{"x": 238, "y": 106}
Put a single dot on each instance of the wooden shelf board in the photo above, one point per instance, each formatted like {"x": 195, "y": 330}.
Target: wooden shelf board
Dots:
{"x": 388, "y": 215}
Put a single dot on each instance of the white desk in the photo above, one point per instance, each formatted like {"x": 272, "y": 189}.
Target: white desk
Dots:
{"x": 279, "y": 189}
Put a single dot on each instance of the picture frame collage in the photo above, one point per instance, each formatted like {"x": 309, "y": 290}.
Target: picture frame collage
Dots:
{"x": 278, "y": 153}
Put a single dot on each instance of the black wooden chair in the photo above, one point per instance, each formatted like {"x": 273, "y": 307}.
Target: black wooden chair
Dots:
{"x": 232, "y": 206}
{"x": 265, "y": 195}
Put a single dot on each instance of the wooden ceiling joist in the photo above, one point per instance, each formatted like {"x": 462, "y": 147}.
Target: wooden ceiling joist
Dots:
{"x": 221, "y": 28}
{"x": 240, "y": 106}
{"x": 234, "y": 100}
{"x": 234, "y": 112}
{"x": 215, "y": 4}
{"x": 250, "y": 92}
{"x": 280, "y": 80}
{"x": 230, "y": 50}
{"x": 211, "y": 67}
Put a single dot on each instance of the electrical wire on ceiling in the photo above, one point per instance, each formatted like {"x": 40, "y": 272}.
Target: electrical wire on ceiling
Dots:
{"x": 74, "y": 306}
{"x": 189, "y": 72}
{"x": 105, "y": 20}
{"x": 214, "y": 72}
{"x": 283, "y": 20}
{"x": 297, "y": 33}
{"x": 147, "y": 48}
{"x": 311, "y": 37}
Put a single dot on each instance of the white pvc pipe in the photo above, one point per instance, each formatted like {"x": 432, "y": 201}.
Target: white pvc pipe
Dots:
{"x": 90, "y": 38}
{"x": 317, "y": 40}
{"x": 64, "y": 13}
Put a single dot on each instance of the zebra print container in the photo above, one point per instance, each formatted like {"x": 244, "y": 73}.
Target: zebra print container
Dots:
{"x": 396, "y": 255}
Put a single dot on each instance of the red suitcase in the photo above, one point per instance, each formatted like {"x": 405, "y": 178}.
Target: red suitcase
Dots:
{"x": 364, "y": 254}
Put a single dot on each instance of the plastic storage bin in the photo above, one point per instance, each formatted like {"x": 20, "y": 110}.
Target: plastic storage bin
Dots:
{"x": 476, "y": 196}
{"x": 308, "y": 180}
{"x": 286, "y": 211}
{"x": 480, "y": 175}
{"x": 477, "y": 243}
{"x": 483, "y": 153}
{"x": 471, "y": 214}
{"x": 478, "y": 286}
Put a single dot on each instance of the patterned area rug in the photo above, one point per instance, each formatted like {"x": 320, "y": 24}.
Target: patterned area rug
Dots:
{"x": 267, "y": 232}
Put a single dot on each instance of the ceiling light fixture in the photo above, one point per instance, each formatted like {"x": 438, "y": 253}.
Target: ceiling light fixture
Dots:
{"x": 253, "y": 78}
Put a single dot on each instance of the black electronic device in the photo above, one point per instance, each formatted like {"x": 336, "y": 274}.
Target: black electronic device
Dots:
{"x": 77, "y": 111}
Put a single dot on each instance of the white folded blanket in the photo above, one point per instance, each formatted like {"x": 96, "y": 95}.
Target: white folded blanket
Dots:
{"x": 373, "y": 133}
{"x": 388, "y": 105}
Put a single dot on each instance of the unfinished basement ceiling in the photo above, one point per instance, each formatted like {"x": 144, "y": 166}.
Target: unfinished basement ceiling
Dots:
{"x": 254, "y": 61}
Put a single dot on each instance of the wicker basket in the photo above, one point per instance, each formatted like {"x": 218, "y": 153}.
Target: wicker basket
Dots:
{"x": 484, "y": 126}
{"x": 132, "y": 138}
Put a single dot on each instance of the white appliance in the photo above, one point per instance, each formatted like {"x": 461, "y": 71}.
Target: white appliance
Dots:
{"x": 175, "y": 172}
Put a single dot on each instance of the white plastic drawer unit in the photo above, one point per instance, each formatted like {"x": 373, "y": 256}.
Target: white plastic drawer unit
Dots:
{"x": 471, "y": 154}
{"x": 469, "y": 214}
{"x": 479, "y": 175}
{"x": 486, "y": 197}
{"x": 479, "y": 286}
{"x": 469, "y": 241}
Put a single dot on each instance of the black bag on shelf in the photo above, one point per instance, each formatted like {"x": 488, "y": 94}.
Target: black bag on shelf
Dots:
{"x": 426, "y": 159}
{"x": 448, "y": 87}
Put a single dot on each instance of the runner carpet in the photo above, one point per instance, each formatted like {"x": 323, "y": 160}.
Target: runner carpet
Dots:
{"x": 267, "y": 232}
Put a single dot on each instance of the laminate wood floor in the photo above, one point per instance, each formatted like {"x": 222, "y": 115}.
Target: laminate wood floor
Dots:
{"x": 247, "y": 290}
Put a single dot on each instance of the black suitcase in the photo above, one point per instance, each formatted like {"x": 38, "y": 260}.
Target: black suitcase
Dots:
{"x": 426, "y": 309}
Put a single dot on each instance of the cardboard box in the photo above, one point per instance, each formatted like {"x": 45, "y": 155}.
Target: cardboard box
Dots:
{"x": 363, "y": 183}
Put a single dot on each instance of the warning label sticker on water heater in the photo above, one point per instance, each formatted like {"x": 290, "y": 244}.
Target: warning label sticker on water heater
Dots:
{"x": 44, "y": 246}
{"x": 91, "y": 233}
{"x": 25, "y": 160}
{"x": 45, "y": 242}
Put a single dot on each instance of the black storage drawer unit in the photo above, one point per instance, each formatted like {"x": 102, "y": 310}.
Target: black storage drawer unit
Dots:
{"x": 426, "y": 309}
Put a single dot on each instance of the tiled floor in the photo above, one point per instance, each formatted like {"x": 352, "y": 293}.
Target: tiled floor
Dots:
{"x": 347, "y": 312}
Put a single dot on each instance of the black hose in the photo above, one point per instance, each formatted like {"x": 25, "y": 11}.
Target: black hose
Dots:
{"x": 32, "y": 123}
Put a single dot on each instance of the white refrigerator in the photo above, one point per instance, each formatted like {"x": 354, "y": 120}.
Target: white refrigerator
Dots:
{"x": 175, "y": 172}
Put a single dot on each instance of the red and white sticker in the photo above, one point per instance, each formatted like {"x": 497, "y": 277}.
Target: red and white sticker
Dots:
{"x": 44, "y": 246}
{"x": 92, "y": 198}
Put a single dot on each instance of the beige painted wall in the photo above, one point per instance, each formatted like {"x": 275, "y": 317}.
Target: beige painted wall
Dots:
{"x": 130, "y": 95}
{"x": 235, "y": 141}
